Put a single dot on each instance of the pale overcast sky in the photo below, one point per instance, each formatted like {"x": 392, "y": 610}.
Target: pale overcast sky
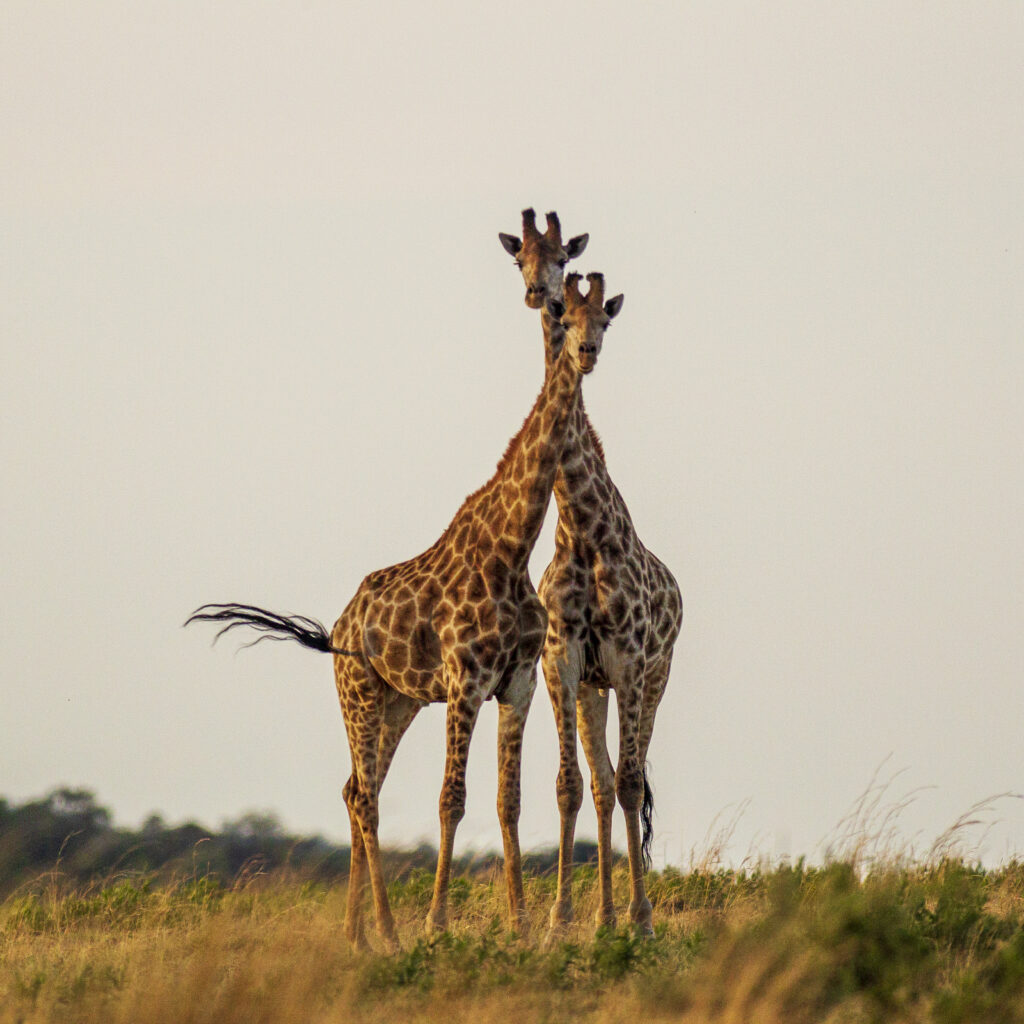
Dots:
{"x": 259, "y": 338}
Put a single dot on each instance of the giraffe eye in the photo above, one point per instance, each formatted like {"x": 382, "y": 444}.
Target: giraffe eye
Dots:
{"x": 562, "y": 263}
{"x": 519, "y": 264}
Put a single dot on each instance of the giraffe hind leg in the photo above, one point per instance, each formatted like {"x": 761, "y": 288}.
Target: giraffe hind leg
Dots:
{"x": 655, "y": 682}
{"x": 362, "y": 697}
{"x": 355, "y": 931}
{"x": 398, "y": 715}
{"x": 629, "y": 788}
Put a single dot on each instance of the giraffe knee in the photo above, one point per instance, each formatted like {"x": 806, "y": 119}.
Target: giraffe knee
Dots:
{"x": 453, "y": 801}
{"x": 570, "y": 790}
{"x": 603, "y": 790}
{"x": 629, "y": 787}
{"x": 508, "y": 804}
{"x": 360, "y": 806}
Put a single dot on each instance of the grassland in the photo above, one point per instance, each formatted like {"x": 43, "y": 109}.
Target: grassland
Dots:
{"x": 942, "y": 942}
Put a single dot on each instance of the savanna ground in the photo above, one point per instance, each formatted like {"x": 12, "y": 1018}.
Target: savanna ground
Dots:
{"x": 844, "y": 942}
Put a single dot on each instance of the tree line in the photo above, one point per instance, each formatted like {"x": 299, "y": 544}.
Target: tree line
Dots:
{"x": 68, "y": 833}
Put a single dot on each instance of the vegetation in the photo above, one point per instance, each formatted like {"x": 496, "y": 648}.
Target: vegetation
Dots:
{"x": 857, "y": 939}
{"x": 68, "y": 830}
{"x": 943, "y": 943}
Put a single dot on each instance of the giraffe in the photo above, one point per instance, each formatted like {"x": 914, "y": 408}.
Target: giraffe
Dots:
{"x": 614, "y": 614}
{"x": 542, "y": 258}
{"x": 458, "y": 624}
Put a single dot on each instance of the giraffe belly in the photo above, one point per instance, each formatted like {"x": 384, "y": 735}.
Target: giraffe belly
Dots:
{"x": 427, "y": 686}
{"x": 610, "y": 664}
{"x": 570, "y": 666}
{"x": 408, "y": 661}
{"x": 517, "y": 687}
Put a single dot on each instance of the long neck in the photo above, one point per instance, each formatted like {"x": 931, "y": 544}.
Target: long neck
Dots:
{"x": 554, "y": 339}
{"x": 506, "y": 514}
{"x": 582, "y": 456}
{"x": 527, "y": 473}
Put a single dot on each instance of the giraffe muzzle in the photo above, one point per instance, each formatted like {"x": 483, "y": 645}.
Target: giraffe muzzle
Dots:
{"x": 535, "y": 294}
{"x": 587, "y": 357}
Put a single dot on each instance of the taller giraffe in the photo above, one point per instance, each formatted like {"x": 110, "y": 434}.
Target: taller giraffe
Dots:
{"x": 460, "y": 623}
{"x": 614, "y": 614}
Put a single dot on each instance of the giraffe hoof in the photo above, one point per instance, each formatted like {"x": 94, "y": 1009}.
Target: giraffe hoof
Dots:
{"x": 436, "y": 923}
{"x": 520, "y": 924}
{"x": 641, "y": 915}
{"x": 561, "y": 915}
{"x": 561, "y": 918}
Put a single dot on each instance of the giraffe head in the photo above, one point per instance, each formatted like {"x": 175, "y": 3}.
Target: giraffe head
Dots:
{"x": 542, "y": 257}
{"x": 585, "y": 318}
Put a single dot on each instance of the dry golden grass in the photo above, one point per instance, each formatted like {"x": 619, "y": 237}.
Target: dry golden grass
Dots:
{"x": 268, "y": 954}
{"x": 878, "y": 933}
{"x": 936, "y": 942}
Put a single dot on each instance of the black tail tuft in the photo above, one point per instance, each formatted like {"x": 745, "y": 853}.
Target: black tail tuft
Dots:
{"x": 303, "y": 630}
{"x": 647, "y": 823}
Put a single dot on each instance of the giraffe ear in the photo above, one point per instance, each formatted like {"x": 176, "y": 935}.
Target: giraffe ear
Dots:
{"x": 511, "y": 244}
{"x": 612, "y": 306}
{"x": 575, "y": 246}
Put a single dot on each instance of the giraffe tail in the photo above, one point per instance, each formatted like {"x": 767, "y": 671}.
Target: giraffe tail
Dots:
{"x": 303, "y": 630}
{"x": 647, "y": 823}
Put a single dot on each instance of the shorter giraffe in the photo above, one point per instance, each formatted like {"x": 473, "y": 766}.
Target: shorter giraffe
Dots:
{"x": 459, "y": 624}
{"x": 614, "y": 614}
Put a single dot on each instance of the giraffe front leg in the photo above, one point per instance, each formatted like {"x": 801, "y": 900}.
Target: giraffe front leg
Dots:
{"x": 562, "y": 679}
{"x": 462, "y": 713}
{"x": 592, "y": 719}
{"x": 512, "y": 712}
{"x": 629, "y": 788}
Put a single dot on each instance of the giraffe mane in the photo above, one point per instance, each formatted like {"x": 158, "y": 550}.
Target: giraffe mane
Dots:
{"x": 503, "y": 462}
{"x": 595, "y": 440}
